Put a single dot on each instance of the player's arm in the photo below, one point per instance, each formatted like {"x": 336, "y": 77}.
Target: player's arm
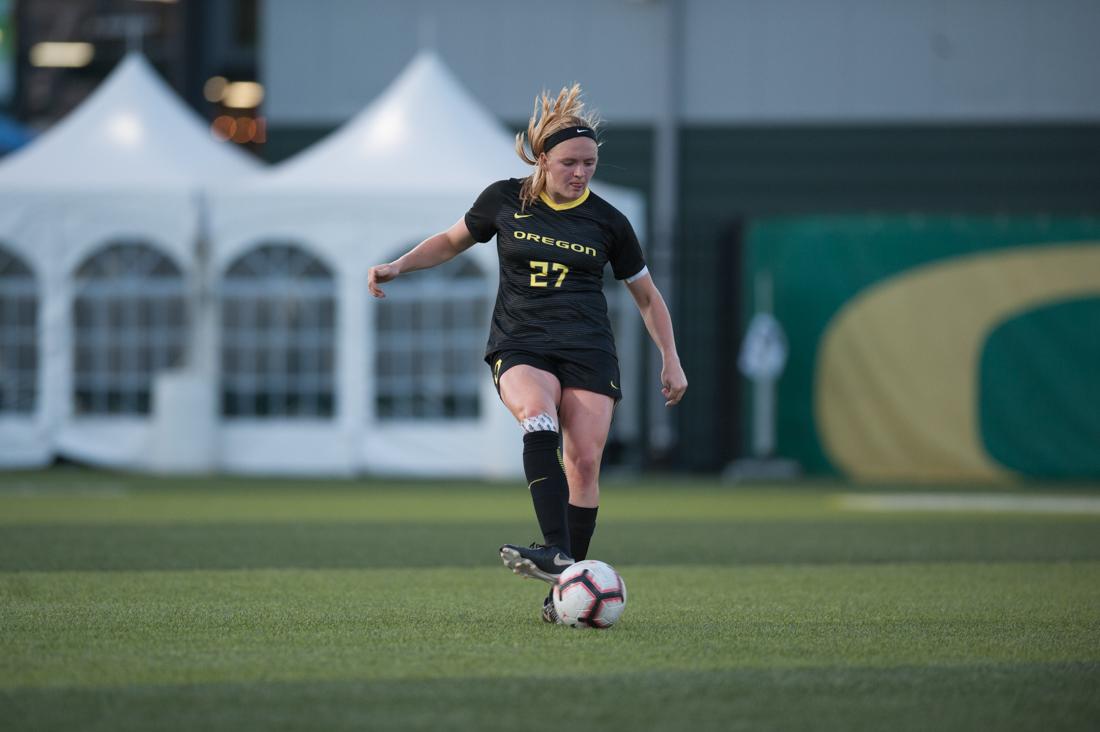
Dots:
{"x": 658, "y": 322}
{"x": 436, "y": 249}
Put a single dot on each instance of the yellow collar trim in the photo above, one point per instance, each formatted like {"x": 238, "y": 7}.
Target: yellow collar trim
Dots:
{"x": 564, "y": 206}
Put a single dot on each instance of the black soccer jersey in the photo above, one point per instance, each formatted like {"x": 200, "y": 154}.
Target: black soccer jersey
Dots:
{"x": 552, "y": 259}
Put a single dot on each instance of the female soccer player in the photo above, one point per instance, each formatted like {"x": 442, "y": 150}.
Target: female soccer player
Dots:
{"x": 551, "y": 350}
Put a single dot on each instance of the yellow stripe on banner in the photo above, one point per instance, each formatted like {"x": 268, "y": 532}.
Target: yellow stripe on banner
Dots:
{"x": 897, "y": 394}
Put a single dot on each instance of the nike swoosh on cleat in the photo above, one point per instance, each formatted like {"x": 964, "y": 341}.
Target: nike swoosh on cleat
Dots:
{"x": 522, "y": 216}
{"x": 559, "y": 563}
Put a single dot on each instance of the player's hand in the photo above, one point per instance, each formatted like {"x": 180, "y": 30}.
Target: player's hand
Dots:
{"x": 377, "y": 275}
{"x": 673, "y": 383}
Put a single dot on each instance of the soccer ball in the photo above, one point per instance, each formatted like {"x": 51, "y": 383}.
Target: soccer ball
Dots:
{"x": 590, "y": 594}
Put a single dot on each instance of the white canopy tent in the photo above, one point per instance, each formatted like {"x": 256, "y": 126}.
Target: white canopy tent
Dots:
{"x": 128, "y": 165}
{"x": 409, "y": 165}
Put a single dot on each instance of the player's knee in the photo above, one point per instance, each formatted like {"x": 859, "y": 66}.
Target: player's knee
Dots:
{"x": 585, "y": 466}
{"x": 537, "y": 418}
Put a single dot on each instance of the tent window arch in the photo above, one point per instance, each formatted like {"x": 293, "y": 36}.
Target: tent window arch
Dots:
{"x": 278, "y": 310}
{"x": 430, "y": 341}
{"x": 129, "y": 322}
{"x": 18, "y": 335}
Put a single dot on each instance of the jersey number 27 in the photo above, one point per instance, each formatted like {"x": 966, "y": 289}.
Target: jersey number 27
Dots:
{"x": 542, "y": 271}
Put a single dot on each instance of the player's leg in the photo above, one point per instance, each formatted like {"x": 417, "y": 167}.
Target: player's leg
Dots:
{"x": 586, "y": 422}
{"x": 532, "y": 395}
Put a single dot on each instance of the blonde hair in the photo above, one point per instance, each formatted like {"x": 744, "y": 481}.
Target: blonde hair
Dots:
{"x": 550, "y": 116}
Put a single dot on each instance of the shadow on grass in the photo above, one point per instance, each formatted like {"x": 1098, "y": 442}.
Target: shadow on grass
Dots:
{"x": 345, "y": 545}
{"x": 1001, "y": 697}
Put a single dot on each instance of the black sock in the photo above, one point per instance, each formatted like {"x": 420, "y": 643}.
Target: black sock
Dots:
{"x": 549, "y": 489}
{"x": 582, "y": 524}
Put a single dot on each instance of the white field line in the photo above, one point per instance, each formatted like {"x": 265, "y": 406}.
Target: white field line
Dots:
{"x": 969, "y": 502}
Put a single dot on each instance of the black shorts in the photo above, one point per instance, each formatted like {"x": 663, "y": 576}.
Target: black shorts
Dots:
{"x": 591, "y": 370}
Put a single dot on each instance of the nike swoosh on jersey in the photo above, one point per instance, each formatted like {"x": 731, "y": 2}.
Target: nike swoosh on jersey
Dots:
{"x": 521, "y": 216}
{"x": 613, "y": 386}
{"x": 536, "y": 480}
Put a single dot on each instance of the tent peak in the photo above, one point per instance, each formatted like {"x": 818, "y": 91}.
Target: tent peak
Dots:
{"x": 425, "y": 131}
{"x": 133, "y": 130}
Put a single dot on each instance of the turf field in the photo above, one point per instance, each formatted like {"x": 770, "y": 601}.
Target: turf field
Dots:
{"x": 133, "y": 603}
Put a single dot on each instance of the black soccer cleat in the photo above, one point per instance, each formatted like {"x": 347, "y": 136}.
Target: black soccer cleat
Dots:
{"x": 536, "y": 561}
{"x": 549, "y": 613}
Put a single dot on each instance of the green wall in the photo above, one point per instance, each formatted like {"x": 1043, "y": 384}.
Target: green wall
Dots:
{"x": 733, "y": 176}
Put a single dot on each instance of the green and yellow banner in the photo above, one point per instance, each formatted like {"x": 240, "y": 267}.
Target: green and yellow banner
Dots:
{"x": 937, "y": 348}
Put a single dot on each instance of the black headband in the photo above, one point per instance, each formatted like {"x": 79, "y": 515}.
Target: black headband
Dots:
{"x": 567, "y": 134}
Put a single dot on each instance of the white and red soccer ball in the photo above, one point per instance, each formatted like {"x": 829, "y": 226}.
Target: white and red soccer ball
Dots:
{"x": 590, "y": 594}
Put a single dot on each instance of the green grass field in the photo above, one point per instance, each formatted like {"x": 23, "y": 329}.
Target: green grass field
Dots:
{"x": 135, "y": 603}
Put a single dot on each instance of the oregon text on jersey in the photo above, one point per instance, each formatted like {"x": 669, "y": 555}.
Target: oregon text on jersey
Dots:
{"x": 552, "y": 262}
{"x": 551, "y": 241}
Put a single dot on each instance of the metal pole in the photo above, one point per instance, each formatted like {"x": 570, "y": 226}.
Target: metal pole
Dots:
{"x": 666, "y": 187}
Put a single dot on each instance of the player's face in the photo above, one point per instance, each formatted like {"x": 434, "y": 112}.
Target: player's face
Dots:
{"x": 569, "y": 167}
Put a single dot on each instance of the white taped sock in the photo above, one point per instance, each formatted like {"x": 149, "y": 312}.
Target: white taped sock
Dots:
{"x": 539, "y": 423}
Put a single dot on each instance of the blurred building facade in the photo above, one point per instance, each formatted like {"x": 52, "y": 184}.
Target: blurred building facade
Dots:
{"x": 733, "y": 118}
{"x": 60, "y": 50}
